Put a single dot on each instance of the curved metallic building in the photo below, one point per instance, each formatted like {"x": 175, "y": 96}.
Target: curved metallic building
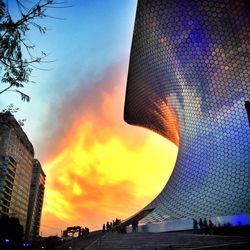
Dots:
{"x": 189, "y": 80}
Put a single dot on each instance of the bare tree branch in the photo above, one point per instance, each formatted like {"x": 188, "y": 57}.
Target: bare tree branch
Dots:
{"x": 17, "y": 52}
{"x": 5, "y": 89}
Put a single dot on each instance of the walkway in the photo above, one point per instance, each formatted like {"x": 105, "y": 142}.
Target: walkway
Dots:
{"x": 163, "y": 241}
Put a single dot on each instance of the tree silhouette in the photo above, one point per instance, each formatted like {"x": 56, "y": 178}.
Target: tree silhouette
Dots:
{"x": 10, "y": 108}
{"x": 17, "y": 58}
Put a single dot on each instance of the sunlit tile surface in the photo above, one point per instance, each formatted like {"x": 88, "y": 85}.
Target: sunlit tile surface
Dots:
{"x": 188, "y": 81}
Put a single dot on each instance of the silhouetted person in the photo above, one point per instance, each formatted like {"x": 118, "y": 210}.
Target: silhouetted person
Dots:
{"x": 118, "y": 227}
{"x": 107, "y": 226}
{"x": 80, "y": 233}
{"x": 210, "y": 227}
{"x": 205, "y": 225}
{"x": 201, "y": 226}
{"x": 103, "y": 228}
{"x": 83, "y": 233}
{"x": 247, "y": 106}
{"x": 117, "y": 221}
{"x": 195, "y": 226}
{"x": 86, "y": 232}
{"x": 134, "y": 225}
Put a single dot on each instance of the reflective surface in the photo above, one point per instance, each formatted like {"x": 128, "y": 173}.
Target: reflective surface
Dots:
{"x": 188, "y": 81}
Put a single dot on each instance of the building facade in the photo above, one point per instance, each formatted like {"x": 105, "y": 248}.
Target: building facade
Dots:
{"x": 189, "y": 80}
{"x": 16, "y": 161}
{"x": 35, "y": 201}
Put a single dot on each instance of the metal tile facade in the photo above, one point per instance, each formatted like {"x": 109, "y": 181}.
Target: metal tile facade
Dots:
{"x": 189, "y": 79}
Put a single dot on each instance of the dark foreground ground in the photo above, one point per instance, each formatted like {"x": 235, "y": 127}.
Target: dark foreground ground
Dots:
{"x": 158, "y": 241}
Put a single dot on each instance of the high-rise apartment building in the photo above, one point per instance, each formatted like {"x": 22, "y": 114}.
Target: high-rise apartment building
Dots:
{"x": 36, "y": 201}
{"x": 16, "y": 161}
{"x": 22, "y": 180}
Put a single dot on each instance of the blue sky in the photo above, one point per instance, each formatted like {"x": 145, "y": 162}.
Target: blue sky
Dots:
{"x": 93, "y": 35}
{"x": 75, "y": 119}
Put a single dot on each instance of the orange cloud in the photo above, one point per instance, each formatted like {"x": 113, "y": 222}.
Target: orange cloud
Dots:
{"x": 101, "y": 167}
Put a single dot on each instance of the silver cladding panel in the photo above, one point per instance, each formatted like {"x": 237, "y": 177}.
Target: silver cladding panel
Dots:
{"x": 189, "y": 78}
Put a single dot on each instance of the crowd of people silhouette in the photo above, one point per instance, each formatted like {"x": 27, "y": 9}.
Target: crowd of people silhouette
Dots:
{"x": 111, "y": 225}
{"x": 84, "y": 233}
{"x": 203, "y": 227}
{"x": 114, "y": 226}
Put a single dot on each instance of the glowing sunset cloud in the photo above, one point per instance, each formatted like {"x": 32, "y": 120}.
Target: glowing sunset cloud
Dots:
{"x": 102, "y": 168}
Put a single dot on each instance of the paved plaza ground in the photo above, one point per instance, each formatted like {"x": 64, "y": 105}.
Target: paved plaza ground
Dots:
{"x": 158, "y": 241}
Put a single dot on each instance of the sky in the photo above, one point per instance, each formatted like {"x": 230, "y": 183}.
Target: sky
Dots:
{"x": 97, "y": 167}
